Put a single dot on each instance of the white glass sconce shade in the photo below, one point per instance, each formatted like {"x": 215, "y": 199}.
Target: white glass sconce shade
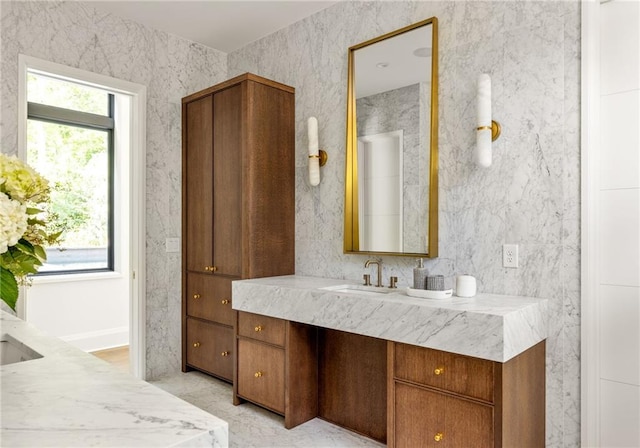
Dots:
{"x": 317, "y": 157}
{"x": 483, "y": 130}
{"x": 314, "y": 156}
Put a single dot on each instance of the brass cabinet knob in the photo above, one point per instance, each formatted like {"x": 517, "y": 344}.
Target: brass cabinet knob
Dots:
{"x": 206, "y": 268}
{"x": 258, "y": 328}
{"x": 225, "y": 301}
{"x": 258, "y": 374}
{"x": 196, "y": 296}
{"x": 438, "y": 437}
{"x": 196, "y": 344}
{"x": 224, "y": 353}
{"x": 439, "y": 371}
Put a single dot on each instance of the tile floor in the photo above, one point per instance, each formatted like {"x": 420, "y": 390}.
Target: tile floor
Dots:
{"x": 251, "y": 426}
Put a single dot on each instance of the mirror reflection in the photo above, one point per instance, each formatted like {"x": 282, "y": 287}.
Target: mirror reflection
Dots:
{"x": 391, "y": 189}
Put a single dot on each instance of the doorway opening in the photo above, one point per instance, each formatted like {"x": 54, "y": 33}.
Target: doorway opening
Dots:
{"x": 85, "y": 133}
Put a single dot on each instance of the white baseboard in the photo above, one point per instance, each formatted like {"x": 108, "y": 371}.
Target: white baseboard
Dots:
{"x": 99, "y": 340}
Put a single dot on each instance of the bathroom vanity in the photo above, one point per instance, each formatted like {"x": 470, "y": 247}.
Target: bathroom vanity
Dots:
{"x": 402, "y": 370}
{"x": 54, "y": 394}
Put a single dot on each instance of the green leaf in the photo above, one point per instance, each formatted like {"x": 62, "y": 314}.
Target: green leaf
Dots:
{"x": 25, "y": 246}
{"x": 40, "y": 252}
{"x": 33, "y": 211}
{"x": 36, "y": 222}
{"x": 8, "y": 288}
{"x": 28, "y": 264}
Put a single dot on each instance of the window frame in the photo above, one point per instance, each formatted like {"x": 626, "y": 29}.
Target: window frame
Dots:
{"x": 86, "y": 120}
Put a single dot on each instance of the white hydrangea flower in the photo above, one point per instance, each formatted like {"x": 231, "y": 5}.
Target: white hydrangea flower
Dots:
{"x": 13, "y": 222}
{"x": 21, "y": 182}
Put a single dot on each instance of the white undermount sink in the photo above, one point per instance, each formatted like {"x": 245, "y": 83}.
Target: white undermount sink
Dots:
{"x": 12, "y": 351}
{"x": 358, "y": 289}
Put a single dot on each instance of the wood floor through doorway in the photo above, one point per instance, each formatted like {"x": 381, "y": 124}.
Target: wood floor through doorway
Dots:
{"x": 118, "y": 356}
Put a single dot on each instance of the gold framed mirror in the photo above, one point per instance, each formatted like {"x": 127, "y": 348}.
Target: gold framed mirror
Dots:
{"x": 391, "y": 184}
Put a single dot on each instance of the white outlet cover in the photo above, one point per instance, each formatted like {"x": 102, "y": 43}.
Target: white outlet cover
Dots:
{"x": 510, "y": 255}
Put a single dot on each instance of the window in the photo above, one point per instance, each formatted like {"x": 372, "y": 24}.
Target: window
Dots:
{"x": 70, "y": 141}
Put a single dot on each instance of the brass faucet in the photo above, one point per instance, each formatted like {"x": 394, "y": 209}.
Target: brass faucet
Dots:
{"x": 379, "y": 264}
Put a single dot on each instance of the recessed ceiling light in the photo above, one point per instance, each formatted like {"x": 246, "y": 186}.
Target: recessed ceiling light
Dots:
{"x": 382, "y": 64}
{"x": 423, "y": 52}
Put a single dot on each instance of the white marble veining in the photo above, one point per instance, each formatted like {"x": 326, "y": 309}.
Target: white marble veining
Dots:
{"x": 487, "y": 326}
{"x": 531, "y": 194}
{"x": 70, "y": 398}
{"x": 266, "y": 428}
{"x": 77, "y": 35}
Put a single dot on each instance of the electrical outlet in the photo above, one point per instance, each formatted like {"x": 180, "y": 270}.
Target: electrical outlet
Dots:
{"x": 510, "y": 255}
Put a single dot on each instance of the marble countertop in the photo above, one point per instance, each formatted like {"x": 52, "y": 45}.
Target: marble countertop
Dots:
{"x": 71, "y": 398}
{"x": 488, "y": 326}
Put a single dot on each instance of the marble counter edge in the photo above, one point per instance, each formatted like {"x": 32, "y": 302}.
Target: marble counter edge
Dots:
{"x": 90, "y": 397}
{"x": 473, "y": 327}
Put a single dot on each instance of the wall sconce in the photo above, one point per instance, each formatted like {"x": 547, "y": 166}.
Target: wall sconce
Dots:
{"x": 488, "y": 130}
{"x": 317, "y": 157}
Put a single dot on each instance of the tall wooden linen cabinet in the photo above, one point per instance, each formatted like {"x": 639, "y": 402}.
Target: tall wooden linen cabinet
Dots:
{"x": 237, "y": 207}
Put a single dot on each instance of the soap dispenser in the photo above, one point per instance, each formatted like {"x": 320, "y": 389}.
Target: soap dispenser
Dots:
{"x": 420, "y": 276}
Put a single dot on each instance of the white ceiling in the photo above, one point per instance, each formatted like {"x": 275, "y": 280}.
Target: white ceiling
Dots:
{"x": 223, "y": 25}
{"x": 391, "y": 63}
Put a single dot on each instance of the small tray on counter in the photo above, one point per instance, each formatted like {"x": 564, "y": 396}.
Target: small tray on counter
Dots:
{"x": 429, "y": 294}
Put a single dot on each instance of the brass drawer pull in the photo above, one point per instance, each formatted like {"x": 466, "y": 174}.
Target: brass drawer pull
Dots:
{"x": 439, "y": 371}
{"x": 438, "y": 437}
{"x": 258, "y": 328}
{"x": 211, "y": 268}
{"x": 225, "y": 353}
{"x": 196, "y": 344}
{"x": 258, "y": 374}
{"x": 225, "y": 301}
{"x": 196, "y": 296}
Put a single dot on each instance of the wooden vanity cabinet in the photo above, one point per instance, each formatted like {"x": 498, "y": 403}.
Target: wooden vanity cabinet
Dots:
{"x": 352, "y": 383}
{"x": 277, "y": 366}
{"x": 238, "y": 207}
{"x": 442, "y": 399}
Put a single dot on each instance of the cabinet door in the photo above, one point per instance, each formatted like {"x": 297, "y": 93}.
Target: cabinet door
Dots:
{"x": 468, "y": 423}
{"x": 427, "y": 418}
{"x": 261, "y": 374}
{"x": 209, "y": 297}
{"x": 228, "y": 180}
{"x": 419, "y": 417}
{"x": 209, "y": 348}
{"x": 198, "y": 183}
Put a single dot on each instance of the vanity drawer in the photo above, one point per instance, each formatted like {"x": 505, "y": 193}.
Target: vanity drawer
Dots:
{"x": 209, "y": 347}
{"x": 464, "y": 375}
{"x": 261, "y": 328}
{"x": 427, "y": 418}
{"x": 261, "y": 374}
{"x": 209, "y": 297}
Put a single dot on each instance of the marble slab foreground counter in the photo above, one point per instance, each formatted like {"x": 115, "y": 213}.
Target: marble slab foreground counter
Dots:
{"x": 69, "y": 398}
{"x": 487, "y": 326}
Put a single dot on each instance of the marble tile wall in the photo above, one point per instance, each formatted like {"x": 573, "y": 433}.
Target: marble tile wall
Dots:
{"x": 529, "y": 196}
{"x": 77, "y": 35}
